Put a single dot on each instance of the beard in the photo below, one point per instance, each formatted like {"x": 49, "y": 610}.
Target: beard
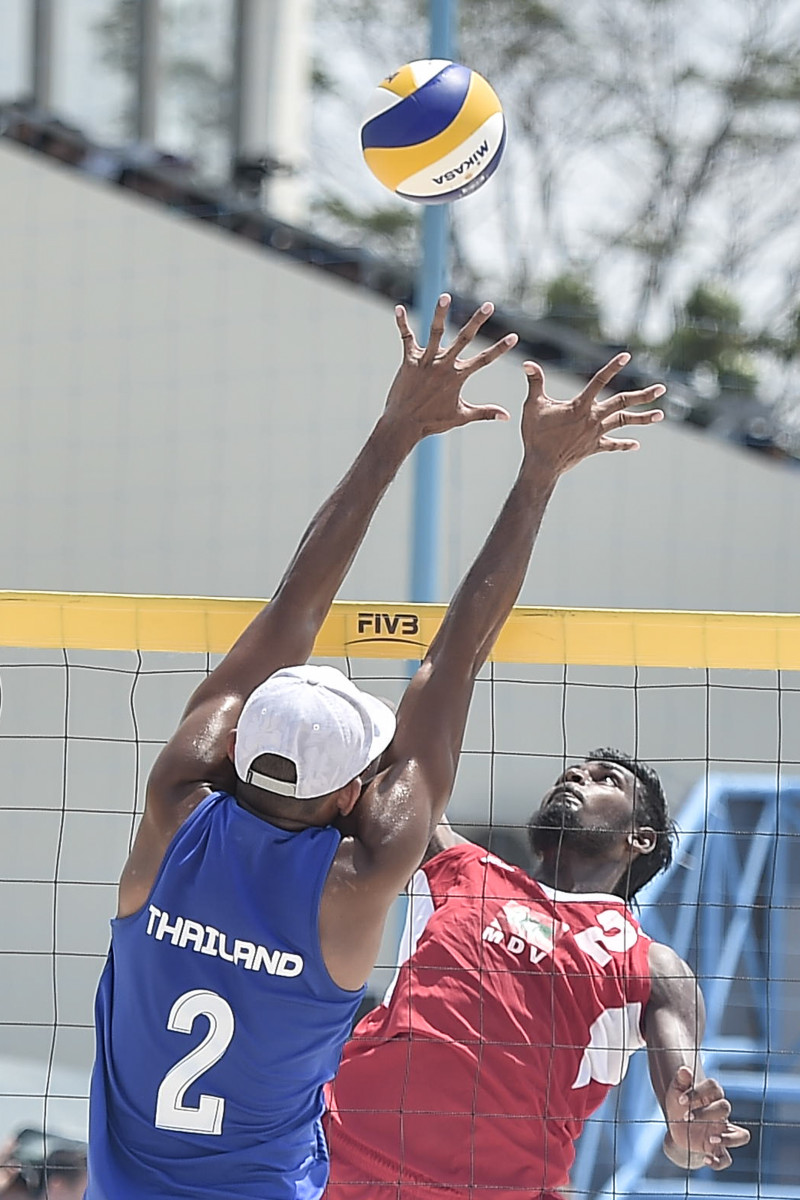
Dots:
{"x": 558, "y": 826}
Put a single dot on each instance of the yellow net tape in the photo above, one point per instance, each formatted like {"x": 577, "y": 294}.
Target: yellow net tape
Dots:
{"x": 591, "y": 637}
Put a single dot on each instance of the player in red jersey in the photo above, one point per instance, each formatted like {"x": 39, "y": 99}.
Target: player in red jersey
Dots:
{"x": 518, "y": 1005}
{"x": 521, "y": 998}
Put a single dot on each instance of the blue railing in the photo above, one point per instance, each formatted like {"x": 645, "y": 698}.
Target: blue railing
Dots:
{"x": 729, "y": 906}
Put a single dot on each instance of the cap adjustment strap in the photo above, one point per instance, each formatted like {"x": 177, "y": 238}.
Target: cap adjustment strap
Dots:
{"x": 279, "y": 786}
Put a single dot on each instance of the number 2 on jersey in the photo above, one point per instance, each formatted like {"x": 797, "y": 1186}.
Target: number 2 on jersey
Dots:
{"x": 171, "y": 1112}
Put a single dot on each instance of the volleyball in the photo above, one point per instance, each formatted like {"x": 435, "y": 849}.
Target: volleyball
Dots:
{"x": 435, "y": 132}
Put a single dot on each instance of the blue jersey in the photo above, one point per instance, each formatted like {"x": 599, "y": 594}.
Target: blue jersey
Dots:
{"x": 217, "y": 1022}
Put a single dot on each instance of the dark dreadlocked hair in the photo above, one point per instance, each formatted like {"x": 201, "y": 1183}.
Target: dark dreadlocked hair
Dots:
{"x": 651, "y": 809}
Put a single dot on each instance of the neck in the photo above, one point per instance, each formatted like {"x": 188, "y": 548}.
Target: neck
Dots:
{"x": 571, "y": 873}
{"x": 287, "y": 823}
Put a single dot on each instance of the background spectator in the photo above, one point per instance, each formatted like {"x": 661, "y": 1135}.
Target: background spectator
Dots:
{"x": 27, "y": 1170}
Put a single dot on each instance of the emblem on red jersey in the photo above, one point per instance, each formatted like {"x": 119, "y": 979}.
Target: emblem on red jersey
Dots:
{"x": 525, "y": 928}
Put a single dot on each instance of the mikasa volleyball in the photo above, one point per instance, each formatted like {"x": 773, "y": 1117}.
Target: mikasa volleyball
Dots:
{"x": 435, "y": 132}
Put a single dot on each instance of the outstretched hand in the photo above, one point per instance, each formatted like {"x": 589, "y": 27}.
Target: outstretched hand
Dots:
{"x": 426, "y": 392}
{"x": 559, "y": 434}
{"x": 699, "y": 1132}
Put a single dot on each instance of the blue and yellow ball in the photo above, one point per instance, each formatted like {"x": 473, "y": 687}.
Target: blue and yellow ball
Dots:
{"x": 436, "y": 132}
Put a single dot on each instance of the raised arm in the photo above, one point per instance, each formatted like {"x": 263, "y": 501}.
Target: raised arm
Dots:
{"x": 425, "y": 398}
{"x": 556, "y": 436}
{"x": 398, "y": 813}
{"x": 695, "y": 1109}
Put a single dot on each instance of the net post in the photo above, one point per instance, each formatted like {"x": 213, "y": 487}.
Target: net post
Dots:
{"x": 430, "y": 284}
{"x": 148, "y": 72}
{"x": 41, "y": 60}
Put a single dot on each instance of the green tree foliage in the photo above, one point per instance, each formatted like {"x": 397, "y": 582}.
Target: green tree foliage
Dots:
{"x": 390, "y": 230}
{"x": 709, "y": 335}
{"x": 570, "y": 299}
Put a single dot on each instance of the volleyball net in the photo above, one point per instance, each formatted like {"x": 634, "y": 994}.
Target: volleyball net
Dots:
{"x": 91, "y": 686}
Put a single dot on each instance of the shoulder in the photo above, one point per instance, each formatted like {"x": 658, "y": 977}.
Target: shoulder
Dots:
{"x": 458, "y": 850}
{"x": 444, "y": 838}
{"x": 666, "y": 963}
{"x": 465, "y": 868}
{"x": 670, "y": 975}
{"x": 155, "y": 845}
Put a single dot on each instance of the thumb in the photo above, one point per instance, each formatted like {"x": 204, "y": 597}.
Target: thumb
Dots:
{"x": 535, "y": 376}
{"x": 682, "y": 1082}
{"x": 485, "y": 412}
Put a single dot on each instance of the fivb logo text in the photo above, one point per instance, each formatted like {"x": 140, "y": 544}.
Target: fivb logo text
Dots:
{"x": 404, "y": 625}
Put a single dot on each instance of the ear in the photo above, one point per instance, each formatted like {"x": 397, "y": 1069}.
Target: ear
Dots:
{"x": 230, "y": 744}
{"x": 643, "y": 840}
{"x": 348, "y": 795}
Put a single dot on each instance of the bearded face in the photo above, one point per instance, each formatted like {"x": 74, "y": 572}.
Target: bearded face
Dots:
{"x": 560, "y": 824}
{"x": 586, "y": 810}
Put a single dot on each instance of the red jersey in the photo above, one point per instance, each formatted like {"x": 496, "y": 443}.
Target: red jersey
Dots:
{"x": 517, "y": 1009}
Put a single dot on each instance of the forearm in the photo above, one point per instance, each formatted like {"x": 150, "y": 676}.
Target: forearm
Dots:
{"x": 490, "y": 588}
{"x": 309, "y": 585}
{"x": 665, "y": 1061}
{"x": 336, "y": 531}
{"x": 674, "y": 1021}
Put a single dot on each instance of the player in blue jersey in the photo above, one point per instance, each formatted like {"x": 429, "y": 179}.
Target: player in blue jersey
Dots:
{"x": 253, "y": 903}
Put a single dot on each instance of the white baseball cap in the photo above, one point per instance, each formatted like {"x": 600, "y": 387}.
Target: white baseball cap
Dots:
{"x": 318, "y": 719}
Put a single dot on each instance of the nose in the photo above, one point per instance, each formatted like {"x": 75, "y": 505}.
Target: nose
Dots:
{"x": 575, "y": 774}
